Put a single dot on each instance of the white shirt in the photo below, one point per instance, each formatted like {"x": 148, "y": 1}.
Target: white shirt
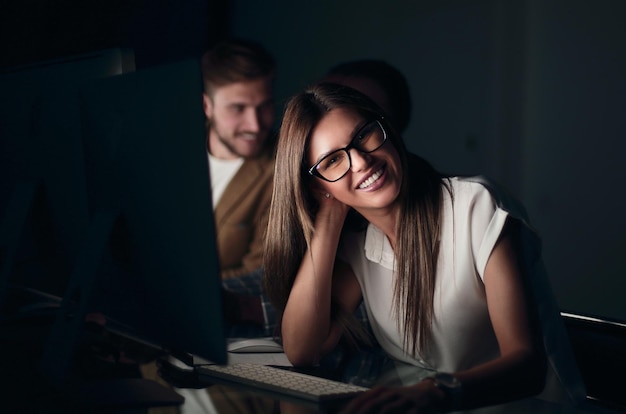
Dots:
{"x": 221, "y": 172}
{"x": 462, "y": 332}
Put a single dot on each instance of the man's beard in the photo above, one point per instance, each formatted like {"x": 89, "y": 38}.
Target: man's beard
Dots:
{"x": 229, "y": 143}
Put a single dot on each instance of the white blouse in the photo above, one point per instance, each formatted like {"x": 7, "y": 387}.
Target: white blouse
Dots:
{"x": 473, "y": 219}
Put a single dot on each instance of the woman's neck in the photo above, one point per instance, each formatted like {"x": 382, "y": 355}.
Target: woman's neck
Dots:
{"x": 385, "y": 220}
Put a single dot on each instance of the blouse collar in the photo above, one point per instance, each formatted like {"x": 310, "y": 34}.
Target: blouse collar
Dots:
{"x": 378, "y": 249}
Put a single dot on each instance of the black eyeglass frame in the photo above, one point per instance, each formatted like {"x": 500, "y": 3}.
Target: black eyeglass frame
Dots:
{"x": 313, "y": 170}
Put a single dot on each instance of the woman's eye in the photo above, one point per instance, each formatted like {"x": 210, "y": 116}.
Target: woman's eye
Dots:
{"x": 329, "y": 162}
{"x": 332, "y": 161}
{"x": 363, "y": 135}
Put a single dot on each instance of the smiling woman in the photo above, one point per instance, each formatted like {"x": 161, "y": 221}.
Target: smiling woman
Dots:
{"x": 449, "y": 272}
{"x": 366, "y": 173}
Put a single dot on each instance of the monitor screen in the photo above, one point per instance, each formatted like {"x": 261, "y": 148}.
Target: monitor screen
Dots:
{"x": 43, "y": 209}
{"x": 149, "y": 260}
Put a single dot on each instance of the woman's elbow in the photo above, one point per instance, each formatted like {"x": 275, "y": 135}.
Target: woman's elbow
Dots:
{"x": 307, "y": 348}
{"x": 301, "y": 357}
{"x": 536, "y": 367}
{"x": 302, "y": 353}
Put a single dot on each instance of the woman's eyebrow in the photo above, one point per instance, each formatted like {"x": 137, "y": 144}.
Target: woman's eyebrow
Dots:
{"x": 357, "y": 128}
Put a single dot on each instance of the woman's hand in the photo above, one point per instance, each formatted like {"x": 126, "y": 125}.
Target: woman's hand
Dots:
{"x": 329, "y": 206}
{"x": 423, "y": 397}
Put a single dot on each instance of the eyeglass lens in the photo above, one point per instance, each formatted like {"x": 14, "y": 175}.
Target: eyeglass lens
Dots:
{"x": 337, "y": 163}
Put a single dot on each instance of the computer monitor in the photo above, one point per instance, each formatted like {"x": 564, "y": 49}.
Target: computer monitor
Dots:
{"x": 149, "y": 261}
{"x": 43, "y": 210}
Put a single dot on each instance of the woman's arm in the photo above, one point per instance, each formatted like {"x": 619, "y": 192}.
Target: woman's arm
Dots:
{"x": 307, "y": 329}
{"x": 521, "y": 368}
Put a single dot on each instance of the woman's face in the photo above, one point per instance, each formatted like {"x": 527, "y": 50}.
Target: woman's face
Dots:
{"x": 373, "y": 180}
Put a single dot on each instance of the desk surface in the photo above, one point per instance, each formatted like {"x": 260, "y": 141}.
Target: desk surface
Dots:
{"x": 365, "y": 368}
{"x": 226, "y": 399}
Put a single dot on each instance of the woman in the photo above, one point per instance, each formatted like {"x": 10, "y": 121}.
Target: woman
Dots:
{"x": 355, "y": 217}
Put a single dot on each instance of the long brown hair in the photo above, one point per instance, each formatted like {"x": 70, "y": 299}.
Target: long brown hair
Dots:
{"x": 293, "y": 210}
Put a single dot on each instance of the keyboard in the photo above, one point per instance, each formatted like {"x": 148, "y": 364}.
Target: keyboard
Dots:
{"x": 294, "y": 384}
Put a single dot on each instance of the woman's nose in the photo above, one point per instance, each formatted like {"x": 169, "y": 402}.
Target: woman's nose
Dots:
{"x": 360, "y": 160}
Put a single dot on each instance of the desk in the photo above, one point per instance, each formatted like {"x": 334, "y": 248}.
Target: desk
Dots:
{"x": 232, "y": 400}
{"x": 368, "y": 369}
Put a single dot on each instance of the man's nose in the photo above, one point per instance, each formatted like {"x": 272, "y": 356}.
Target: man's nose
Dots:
{"x": 252, "y": 120}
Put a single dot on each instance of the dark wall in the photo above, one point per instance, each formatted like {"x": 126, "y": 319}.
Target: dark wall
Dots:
{"x": 529, "y": 92}
{"x": 157, "y": 31}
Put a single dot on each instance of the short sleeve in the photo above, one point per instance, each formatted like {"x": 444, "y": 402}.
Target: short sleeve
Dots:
{"x": 486, "y": 221}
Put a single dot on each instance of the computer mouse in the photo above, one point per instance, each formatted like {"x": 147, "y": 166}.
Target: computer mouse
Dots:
{"x": 254, "y": 345}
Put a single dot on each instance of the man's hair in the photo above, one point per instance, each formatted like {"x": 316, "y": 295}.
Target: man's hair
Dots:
{"x": 388, "y": 77}
{"x": 235, "y": 60}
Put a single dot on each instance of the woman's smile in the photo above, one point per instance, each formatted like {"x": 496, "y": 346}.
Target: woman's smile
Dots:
{"x": 374, "y": 181}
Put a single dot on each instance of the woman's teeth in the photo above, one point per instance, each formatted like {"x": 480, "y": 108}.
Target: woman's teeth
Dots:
{"x": 372, "y": 179}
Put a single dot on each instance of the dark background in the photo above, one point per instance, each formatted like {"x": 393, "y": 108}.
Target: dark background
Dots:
{"x": 529, "y": 92}
{"x": 158, "y": 31}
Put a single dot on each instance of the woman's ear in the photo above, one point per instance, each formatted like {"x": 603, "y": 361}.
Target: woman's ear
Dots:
{"x": 318, "y": 190}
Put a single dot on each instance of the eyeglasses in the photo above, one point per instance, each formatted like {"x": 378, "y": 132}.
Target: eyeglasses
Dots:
{"x": 335, "y": 166}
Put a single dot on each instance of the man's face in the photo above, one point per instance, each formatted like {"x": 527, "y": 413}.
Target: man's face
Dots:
{"x": 240, "y": 118}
